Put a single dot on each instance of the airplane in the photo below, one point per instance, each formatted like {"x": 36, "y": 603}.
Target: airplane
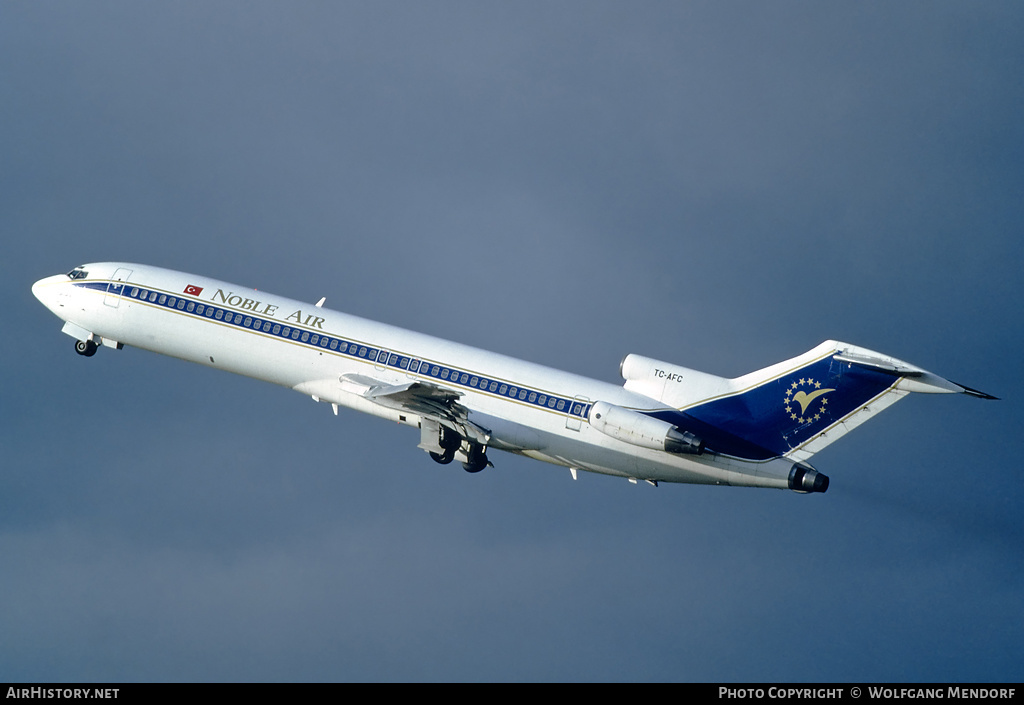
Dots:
{"x": 666, "y": 423}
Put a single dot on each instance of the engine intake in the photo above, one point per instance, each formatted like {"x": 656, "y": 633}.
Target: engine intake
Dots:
{"x": 641, "y": 430}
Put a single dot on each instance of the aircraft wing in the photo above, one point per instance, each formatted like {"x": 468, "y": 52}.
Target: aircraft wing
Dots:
{"x": 428, "y": 401}
{"x": 418, "y": 398}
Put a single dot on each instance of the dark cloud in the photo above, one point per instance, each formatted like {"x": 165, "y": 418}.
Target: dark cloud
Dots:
{"x": 721, "y": 185}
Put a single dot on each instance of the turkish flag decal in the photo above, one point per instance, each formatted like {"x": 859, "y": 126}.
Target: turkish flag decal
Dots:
{"x": 193, "y": 290}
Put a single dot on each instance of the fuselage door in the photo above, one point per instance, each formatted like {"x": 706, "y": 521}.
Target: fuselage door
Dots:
{"x": 577, "y": 412}
{"x": 116, "y": 287}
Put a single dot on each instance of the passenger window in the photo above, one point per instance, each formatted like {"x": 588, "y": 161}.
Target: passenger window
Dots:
{"x": 305, "y": 337}
{"x": 191, "y": 306}
{"x": 434, "y": 370}
{"x": 220, "y": 314}
{"x": 199, "y": 309}
{"x": 170, "y": 302}
{"x": 163, "y": 299}
{"x": 181, "y": 304}
{"x": 504, "y": 388}
{"x": 209, "y": 311}
{"x": 135, "y": 293}
{"x": 444, "y": 373}
{"x": 334, "y": 344}
{"x": 561, "y": 404}
{"x": 295, "y": 334}
{"x": 533, "y": 397}
{"x": 522, "y": 394}
{"x": 543, "y": 399}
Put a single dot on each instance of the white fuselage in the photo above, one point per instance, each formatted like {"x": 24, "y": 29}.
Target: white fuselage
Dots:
{"x": 528, "y": 409}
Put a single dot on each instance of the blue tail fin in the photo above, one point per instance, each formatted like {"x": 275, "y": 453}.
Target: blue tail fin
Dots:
{"x": 799, "y": 406}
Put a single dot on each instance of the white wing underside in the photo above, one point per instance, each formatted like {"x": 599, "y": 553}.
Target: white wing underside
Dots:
{"x": 427, "y": 401}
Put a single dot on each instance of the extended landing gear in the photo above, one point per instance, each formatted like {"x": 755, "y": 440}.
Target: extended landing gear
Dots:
{"x": 450, "y": 442}
{"x": 476, "y": 458}
{"x": 85, "y": 347}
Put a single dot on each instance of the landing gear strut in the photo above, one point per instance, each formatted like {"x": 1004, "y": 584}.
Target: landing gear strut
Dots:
{"x": 85, "y": 347}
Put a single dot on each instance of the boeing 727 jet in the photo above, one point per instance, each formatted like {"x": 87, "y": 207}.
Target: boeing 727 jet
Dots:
{"x": 666, "y": 423}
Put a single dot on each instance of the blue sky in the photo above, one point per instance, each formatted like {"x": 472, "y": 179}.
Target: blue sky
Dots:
{"x": 721, "y": 185}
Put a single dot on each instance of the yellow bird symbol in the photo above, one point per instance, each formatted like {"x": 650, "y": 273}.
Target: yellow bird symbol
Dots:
{"x": 804, "y": 399}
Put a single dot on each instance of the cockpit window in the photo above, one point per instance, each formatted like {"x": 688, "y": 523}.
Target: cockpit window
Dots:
{"x": 78, "y": 273}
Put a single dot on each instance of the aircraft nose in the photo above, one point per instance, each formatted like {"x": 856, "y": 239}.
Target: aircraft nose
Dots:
{"x": 46, "y": 291}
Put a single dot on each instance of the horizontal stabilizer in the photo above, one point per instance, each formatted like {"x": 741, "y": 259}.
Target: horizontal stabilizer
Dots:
{"x": 917, "y": 379}
{"x": 884, "y": 364}
{"x": 976, "y": 393}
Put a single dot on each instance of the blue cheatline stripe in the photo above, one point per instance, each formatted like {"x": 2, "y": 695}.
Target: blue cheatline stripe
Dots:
{"x": 362, "y": 351}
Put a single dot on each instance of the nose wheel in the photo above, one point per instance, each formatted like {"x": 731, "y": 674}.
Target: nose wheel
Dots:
{"x": 85, "y": 347}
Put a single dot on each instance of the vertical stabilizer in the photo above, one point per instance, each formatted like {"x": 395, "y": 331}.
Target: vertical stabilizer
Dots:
{"x": 798, "y": 406}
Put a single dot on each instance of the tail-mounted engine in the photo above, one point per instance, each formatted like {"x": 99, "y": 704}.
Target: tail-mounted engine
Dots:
{"x": 670, "y": 384}
{"x": 644, "y": 431}
{"x": 805, "y": 479}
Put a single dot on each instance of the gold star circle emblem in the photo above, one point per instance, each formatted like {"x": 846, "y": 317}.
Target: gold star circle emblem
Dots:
{"x": 809, "y": 396}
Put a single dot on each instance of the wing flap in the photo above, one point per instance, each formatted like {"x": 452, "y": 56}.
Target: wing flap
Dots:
{"x": 427, "y": 401}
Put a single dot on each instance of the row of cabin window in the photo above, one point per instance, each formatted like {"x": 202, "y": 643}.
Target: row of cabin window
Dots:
{"x": 505, "y": 390}
{"x": 463, "y": 378}
{"x": 239, "y": 319}
{"x": 277, "y": 329}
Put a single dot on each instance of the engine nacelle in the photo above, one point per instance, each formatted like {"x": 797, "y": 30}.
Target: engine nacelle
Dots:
{"x": 670, "y": 384}
{"x": 805, "y": 479}
{"x": 644, "y": 431}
